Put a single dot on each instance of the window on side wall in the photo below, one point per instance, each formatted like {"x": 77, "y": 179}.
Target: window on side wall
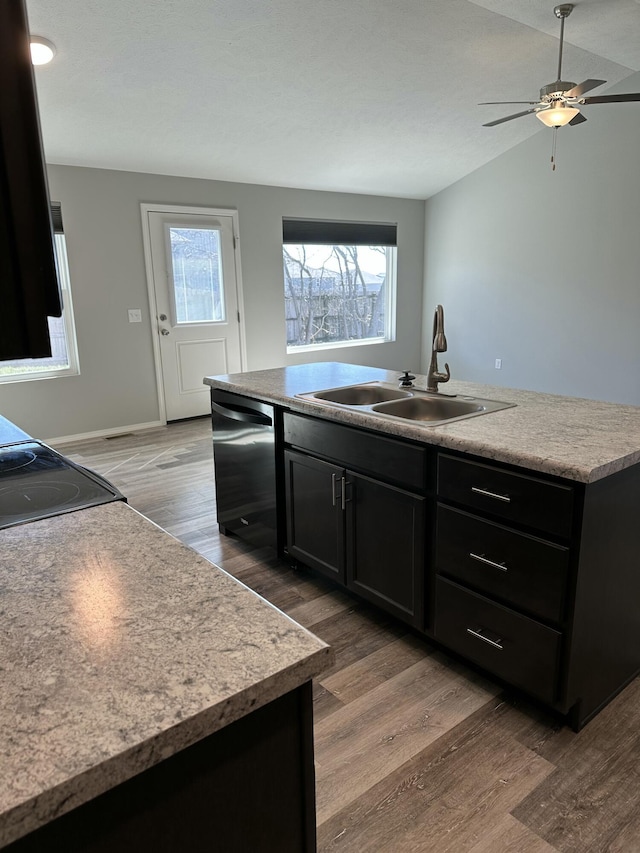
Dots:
{"x": 339, "y": 283}
{"x": 63, "y": 360}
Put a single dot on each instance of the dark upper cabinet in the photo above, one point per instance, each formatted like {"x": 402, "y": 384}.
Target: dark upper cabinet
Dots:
{"x": 28, "y": 278}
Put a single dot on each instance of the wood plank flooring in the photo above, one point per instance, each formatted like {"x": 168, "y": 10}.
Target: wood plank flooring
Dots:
{"x": 414, "y": 751}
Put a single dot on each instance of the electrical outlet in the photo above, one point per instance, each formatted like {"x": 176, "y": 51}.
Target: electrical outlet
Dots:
{"x": 498, "y": 364}
{"x": 135, "y": 315}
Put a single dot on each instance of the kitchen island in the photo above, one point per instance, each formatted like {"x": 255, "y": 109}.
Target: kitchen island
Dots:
{"x": 149, "y": 700}
{"x": 582, "y": 440}
{"x": 510, "y": 538}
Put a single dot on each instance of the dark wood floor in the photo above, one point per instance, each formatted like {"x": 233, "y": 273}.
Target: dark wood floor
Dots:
{"x": 414, "y": 751}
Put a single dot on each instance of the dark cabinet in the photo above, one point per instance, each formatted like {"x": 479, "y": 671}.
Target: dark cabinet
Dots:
{"x": 516, "y": 498}
{"x": 247, "y": 787}
{"x": 30, "y": 290}
{"x": 537, "y": 581}
{"x": 367, "y": 534}
{"x": 532, "y": 577}
{"x": 385, "y": 540}
{"x": 520, "y": 650}
{"x": 517, "y": 569}
{"x": 315, "y": 518}
{"x": 502, "y": 569}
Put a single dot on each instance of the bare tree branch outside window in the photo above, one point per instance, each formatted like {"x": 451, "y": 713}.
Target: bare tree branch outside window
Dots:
{"x": 334, "y": 293}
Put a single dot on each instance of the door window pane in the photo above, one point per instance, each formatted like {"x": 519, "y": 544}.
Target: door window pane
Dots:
{"x": 196, "y": 265}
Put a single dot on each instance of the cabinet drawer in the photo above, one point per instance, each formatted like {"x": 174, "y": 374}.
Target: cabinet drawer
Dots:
{"x": 513, "y": 647}
{"x": 396, "y": 461}
{"x": 517, "y": 498}
{"x": 523, "y": 571}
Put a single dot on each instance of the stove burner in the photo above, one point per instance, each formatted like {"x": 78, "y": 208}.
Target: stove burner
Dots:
{"x": 15, "y": 457}
{"x": 23, "y": 499}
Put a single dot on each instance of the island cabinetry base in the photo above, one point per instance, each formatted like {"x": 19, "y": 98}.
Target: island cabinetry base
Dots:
{"x": 365, "y": 526}
{"x": 247, "y": 787}
{"x": 604, "y": 648}
{"x": 537, "y": 580}
{"x": 522, "y": 560}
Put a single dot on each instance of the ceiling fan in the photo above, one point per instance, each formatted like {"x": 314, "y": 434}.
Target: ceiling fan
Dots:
{"x": 558, "y": 101}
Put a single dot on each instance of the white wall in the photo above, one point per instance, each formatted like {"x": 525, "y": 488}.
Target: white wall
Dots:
{"x": 101, "y": 213}
{"x": 542, "y": 268}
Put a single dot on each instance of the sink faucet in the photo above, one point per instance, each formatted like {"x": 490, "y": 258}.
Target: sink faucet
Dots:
{"x": 438, "y": 344}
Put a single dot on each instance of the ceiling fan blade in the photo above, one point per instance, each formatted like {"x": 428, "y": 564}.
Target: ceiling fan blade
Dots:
{"x": 482, "y": 103}
{"x": 508, "y": 118}
{"x": 579, "y": 119}
{"x": 611, "y": 99}
{"x": 585, "y": 86}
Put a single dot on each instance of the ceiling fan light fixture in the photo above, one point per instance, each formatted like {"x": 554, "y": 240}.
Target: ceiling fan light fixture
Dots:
{"x": 557, "y": 116}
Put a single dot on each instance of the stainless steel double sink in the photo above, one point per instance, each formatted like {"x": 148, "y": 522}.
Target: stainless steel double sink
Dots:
{"x": 386, "y": 400}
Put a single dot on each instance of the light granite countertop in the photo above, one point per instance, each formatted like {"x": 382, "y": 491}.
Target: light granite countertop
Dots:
{"x": 581, "y": 440}
{"x": 120, "y": 647}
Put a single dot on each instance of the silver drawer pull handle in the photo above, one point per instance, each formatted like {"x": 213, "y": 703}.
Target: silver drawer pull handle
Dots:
{"x": 487, "y": 494}
{"x": 482, "y": 559}
{"x": 333, "y": 489}
{"x": 495, "y": 643}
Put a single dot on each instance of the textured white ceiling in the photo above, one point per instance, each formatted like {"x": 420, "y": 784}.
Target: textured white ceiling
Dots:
{"x": 347, "y": 95}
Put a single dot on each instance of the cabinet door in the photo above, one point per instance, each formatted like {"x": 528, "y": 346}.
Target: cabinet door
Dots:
{"x": 386, "y": 529}
{"x": 315, "y": 518}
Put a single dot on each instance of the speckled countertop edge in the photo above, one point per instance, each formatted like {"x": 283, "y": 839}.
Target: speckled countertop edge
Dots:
{"x": 121, "y": 647}
{"x": 574, "y": 438}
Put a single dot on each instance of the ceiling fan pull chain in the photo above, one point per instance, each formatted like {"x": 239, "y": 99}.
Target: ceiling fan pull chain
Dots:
{"x": 553, "y": 149}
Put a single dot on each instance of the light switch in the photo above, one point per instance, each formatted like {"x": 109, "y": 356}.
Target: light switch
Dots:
{"x": 135, "y": 315}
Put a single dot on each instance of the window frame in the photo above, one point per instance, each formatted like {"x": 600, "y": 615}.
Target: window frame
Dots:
{"x": 347, "y": 234}
{"x": 73, "y": 368}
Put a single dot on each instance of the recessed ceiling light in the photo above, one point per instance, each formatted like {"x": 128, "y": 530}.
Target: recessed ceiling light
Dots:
{"x": 42, "y": 50}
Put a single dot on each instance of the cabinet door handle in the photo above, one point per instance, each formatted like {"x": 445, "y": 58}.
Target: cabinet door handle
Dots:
{"x": 333, "y": 490}
{"x": 482, "y": 559}
{"x": 487, "y": 494}
{"x": 343, "y": 482}
{"x": 480, "y": 636}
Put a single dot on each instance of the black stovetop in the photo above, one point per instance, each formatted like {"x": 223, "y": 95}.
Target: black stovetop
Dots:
{"x": 36, "y": 482}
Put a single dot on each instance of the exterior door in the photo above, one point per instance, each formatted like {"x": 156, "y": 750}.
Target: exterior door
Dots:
{"x": 192, "y": 268}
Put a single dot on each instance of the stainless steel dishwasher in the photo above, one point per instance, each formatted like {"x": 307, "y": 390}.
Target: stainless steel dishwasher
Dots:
{"x": 245, "y": 467}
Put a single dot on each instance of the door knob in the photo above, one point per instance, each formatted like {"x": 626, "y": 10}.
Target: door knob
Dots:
{"x": 162, "y": 317}
{"x": 164, "y": 332}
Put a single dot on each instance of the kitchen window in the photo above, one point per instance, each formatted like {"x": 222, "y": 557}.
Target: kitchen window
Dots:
{"x": 63, "y": 360}
{"x": 339, "y": 283}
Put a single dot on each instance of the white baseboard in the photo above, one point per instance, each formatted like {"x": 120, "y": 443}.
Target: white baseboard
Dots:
{"x": 103, "y": 433}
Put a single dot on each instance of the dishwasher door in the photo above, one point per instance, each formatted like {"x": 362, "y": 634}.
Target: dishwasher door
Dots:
{"x": 245, "y": 467}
